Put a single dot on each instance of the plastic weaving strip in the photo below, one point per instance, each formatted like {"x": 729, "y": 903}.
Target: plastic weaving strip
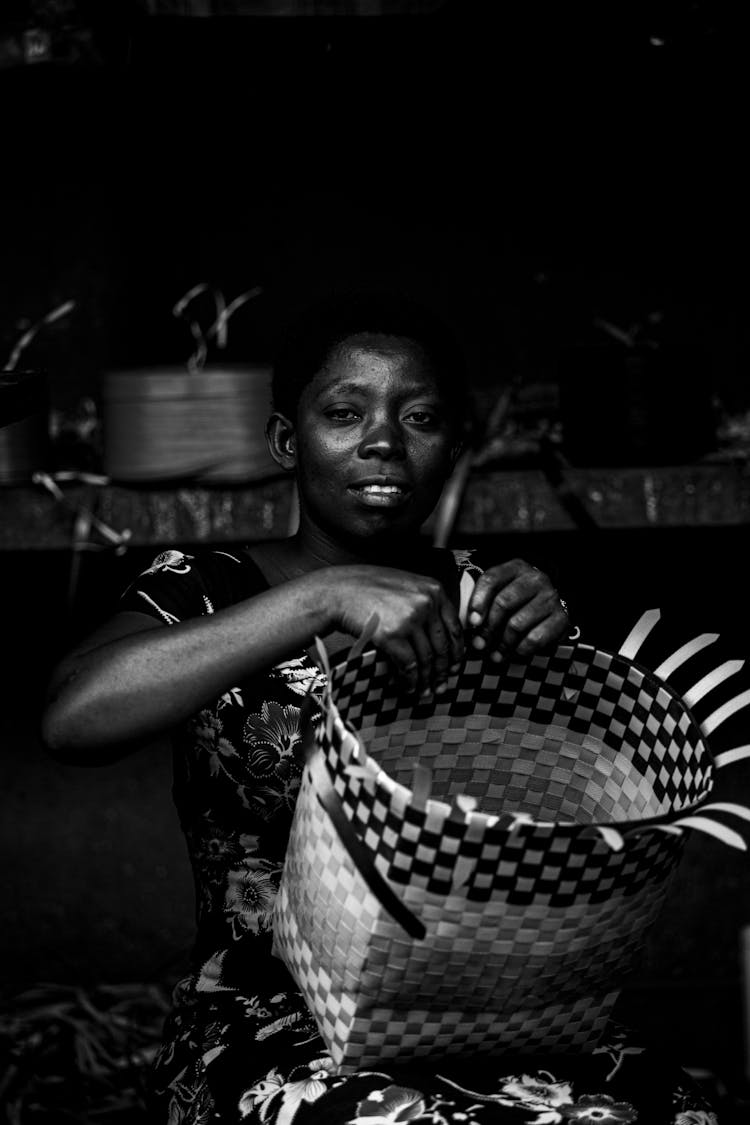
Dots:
{"x": 730, "y": 708}
{"x": 729, "y": 757}
{"x": 359, "y": 854}
{"x": 712, "y": 680}
{"x": 677, "y": 659}
{"x": 714, "y": 828}
{"x": 636, "y": 637}
{"x": 728, "y": 807}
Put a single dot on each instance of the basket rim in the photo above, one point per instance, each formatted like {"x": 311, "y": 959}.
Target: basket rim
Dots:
{"x": 380, "y": 776}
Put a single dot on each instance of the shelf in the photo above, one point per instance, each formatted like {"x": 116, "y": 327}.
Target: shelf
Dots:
{"x": 703, "y": 495}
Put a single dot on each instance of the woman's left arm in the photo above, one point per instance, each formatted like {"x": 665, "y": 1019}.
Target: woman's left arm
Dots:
{"x": 515, "y": 609}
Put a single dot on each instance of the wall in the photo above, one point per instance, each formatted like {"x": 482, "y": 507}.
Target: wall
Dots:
{"x": 525, "y": 172}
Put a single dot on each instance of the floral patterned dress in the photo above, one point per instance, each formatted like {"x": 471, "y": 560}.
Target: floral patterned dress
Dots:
{"x": 240, "y": 1044}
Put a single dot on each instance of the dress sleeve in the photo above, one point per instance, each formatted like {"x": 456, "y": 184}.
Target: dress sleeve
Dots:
{"x": 178, "y": 586}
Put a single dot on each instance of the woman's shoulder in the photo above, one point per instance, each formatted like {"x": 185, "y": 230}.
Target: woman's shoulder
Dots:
{"x": 181, "y": 583}
{"x": 205, "y": 564}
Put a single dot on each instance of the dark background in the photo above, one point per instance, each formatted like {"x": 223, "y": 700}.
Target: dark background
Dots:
{"x": 526, "y": 169}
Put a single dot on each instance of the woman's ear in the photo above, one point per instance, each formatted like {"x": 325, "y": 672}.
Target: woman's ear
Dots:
{"x": 282, "y": 443}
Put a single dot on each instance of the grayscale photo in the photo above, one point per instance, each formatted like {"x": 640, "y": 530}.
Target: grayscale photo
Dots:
{"x": 374, "y": 506}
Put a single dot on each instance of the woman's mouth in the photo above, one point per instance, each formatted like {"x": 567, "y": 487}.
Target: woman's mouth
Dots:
{"x": 380, "y": 495}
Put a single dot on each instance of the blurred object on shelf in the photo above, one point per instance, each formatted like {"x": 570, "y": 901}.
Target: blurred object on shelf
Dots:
{"x": 22, "y": 393}
{"x": 165, "y": 424}
{"x": 556, "y": 470}
{"x": 89, "y": 533}
{"x": 532, "y": 417}
{"x": 76, "y": 437}
{"x": 24, "y": 442}
{"x": 52, "y": 32}
{"x": 524, "y": 432}
{"x": 732, "y": 434}
{"x": 494, "y": 421}
{"x": 29, "y": 331}
{"x": 24, "y": 436}
{"x": 204, "y": 421}
{"x": 218, "y": 328}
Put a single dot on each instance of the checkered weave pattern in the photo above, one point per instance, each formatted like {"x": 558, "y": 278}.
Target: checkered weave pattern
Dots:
{"x": 489, "y": 812}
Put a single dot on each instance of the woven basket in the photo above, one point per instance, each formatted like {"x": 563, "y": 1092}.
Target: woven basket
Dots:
{"x": 482, "y": 876}
{"x": 168, "y": 423}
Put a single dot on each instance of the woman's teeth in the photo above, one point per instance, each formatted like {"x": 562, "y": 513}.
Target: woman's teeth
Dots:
{"x": 385, "y": 495}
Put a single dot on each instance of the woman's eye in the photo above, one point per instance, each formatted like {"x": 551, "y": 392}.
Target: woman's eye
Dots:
{"x": 341, "y": 414}
{"x": 421, "y": 417}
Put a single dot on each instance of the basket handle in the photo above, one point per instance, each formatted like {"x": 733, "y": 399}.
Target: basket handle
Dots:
{"x": 359, "y": 854}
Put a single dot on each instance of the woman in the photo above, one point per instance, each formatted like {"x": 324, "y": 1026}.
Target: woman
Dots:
{"x": 216, "y": 646}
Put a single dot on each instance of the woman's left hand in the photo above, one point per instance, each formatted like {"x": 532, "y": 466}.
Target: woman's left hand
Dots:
{"x": 515, "y": 609}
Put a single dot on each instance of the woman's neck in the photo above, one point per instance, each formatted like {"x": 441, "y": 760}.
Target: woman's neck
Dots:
{"x": 314, "y": 546}
{"x": 310, "y": 548}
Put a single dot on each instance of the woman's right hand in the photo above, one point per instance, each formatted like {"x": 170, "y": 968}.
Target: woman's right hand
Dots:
{"x": 418, "y": 627}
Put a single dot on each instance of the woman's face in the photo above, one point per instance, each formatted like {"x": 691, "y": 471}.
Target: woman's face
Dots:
{"x": 374, "y": 442}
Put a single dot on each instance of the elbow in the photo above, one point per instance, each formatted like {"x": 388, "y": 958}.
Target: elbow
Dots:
{"x": 62, "y": 735}
{"x": 63, "y": 730}
{"x": 62, "y": 742}
{"x": 82, "y": 737}
{"x": 56, "y": 737}
{"x": 57, "y": 724}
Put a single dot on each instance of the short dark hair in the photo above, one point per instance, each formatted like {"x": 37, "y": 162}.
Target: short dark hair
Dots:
{"x": 306, "y": 343}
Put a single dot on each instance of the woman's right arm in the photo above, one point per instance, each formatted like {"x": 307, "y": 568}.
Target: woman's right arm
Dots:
{"x": 135, "y": 677}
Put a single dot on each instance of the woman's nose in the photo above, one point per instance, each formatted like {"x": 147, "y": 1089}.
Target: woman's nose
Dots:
{"x": 384, "y": 441}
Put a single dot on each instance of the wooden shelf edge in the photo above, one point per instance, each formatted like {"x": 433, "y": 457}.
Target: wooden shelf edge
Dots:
{"x": 512, "y": 500}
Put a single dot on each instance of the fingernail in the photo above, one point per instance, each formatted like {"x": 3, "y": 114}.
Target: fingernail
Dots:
{"x": 456, "y": 667}
{"x": 498, "y": 657}
{"x": 426, "y": 694}
{"x": 441, "y": 689}
{"x": 475, "y": 618}
{"x": 479, "y": 643}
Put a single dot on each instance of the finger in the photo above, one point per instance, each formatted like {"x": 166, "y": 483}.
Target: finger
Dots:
{"x": 550, "y": 630}
{"x": 489, "y": 584}
{"x": 425, "y": 654}
{"x": 511, "y": 609}
{"x": 405, "y": 663}
{"x": 455, "y": 632}
{"x": 441, "y": 649}
{"x": 524, "y": 619}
